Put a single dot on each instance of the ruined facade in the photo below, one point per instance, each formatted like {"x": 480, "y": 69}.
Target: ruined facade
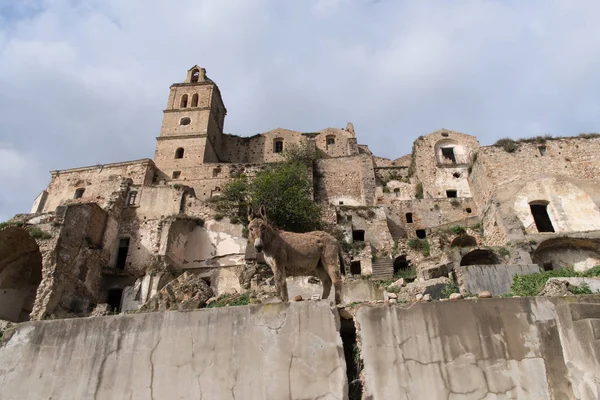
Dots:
{"x": 118, "y": 233}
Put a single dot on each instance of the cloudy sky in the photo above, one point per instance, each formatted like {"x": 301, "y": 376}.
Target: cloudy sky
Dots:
{"x": 84, "y": 82}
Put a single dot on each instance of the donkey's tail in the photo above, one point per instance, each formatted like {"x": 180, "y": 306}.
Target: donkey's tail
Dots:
{"x": 341, "y": 256}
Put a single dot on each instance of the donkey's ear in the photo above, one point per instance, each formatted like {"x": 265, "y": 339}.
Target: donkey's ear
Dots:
{"x": 250, "y": 212}
{"x": 262, "y": 211}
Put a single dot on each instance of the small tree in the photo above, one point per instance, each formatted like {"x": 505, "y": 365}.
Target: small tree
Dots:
{"x": 284, "y": 188}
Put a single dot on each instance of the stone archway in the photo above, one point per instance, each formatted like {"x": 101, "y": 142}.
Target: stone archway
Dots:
{"x": 480, "y": 257}
{"x": 464, "y": 241}
{"x": 20, "y": 273}
{"x": 581, "y": 254}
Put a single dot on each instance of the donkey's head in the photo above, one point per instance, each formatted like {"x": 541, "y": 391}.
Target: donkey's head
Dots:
{"x": 258, "y": 228}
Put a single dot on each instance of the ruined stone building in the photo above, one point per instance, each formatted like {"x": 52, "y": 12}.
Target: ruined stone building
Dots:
{"x": 118, "y": 233}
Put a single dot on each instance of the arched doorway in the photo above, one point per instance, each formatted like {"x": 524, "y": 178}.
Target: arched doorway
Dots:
{"x": 464, "y": 241}
{"x": 580, "y": 254}
{"x": 479, "y": 257}
{"x": 401, "y": 264}
{"x": 20, "y": 273}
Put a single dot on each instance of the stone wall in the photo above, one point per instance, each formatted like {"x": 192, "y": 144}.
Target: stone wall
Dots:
{"x": 345, "y": 181}
{"x": 275, "y": 351}
{"x": 99, "y": 182}
{"x": 526, "y": 348}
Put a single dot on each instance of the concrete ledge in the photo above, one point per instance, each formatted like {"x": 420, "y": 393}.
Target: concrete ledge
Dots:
{"x": 275, "y": 351}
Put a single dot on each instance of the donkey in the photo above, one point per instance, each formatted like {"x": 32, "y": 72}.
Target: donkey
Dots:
{"x": 314, "y": 253}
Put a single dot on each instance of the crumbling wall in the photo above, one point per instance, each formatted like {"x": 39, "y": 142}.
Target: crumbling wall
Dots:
{"x": 345, "y": 181}
{"x": 99, "y": 182}
{"x": 274, "y": 351}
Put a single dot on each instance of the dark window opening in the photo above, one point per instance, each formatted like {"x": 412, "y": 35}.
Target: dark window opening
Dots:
{"x": 421, "y": 234}
{"x": 179, "y": 152}
{"x": 207, "y": 280}
{"x": 548, "y": 266}
{"x": 113, "y": 299}
{"x": 401, "y": 264}
{"x": 341, "y": 203}
{"x": 184, "y": 101}
{"x": 451, "y": 193}
{"x": 330, "y": 140}
{"x": 278, "y": 146}
{"x": 195, "y": 100}
{"x": 409, "y": 218}
{"x": 464, "y": 241}
{"x": 349, "y": 218}
{"x": 122, "y": 253}
{"x": 185, "y": 121}
{"x": 456, "y": 175}
{"x": 216, "y": 172}
{"x": 479, "y": 257}
{"x": 78, "y": 193}
{"x": 176, "y": 174}
{"x": 131, "y": 198}
{"x": 542, "y": 150}
{"x": 355, "y": 267}
{"x": 195, "y": 75}
{"x": 541, "y": 217}
{"x": 468, "y": 210}
{"x": 445, "y": 134}
{"x": 396, "y": 190}
{"x": 358, "y": 235}
{"x": 448, "y": 152}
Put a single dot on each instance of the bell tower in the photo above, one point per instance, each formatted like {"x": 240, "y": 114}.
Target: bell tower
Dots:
{"x": 192, "y": 126}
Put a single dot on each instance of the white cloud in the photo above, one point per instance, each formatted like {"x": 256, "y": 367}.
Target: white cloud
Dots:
{"x": 85, "y": 82}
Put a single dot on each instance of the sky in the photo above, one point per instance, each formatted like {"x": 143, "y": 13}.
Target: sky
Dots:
{"x": 84, "y": 82}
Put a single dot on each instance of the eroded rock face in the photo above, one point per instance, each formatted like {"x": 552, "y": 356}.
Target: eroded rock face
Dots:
{"x": 187, "y": 292}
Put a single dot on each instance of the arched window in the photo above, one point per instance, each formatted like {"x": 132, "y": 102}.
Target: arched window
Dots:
{"x": 195, "y": 100}
{"x": 278, "y": 145}
{"x": 195, "y": 75}
{"x": 539, "y": 211}
{"x": 184, "y": 100}
{"x": 179, "y": 153}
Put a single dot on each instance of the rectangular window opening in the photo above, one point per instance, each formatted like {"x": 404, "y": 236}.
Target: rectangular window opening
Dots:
{"x": 448, "y": 152}
{"x": 176, "y": 174}
{"x": 542, "y": 150}
{"x": 122, "y": 253}
{"x": 355, "y": 267}
{"x": 131, "y": 198}
{"x": 451, "y": 193}
{"x": 421, "y": 234}
{"x": 78, "y": 193}
{"x": 358, "y": 235}
{"x": 113, "y": 299}
{"x": 409, "y": 218}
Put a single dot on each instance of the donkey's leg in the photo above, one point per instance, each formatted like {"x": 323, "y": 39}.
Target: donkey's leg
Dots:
{"x": 330, "y": 260}
{"x": 280, "y": 283}
{"x": 325, "y": 280}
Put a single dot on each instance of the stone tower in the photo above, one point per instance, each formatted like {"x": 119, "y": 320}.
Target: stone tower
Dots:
{"x": 192, "y": 126}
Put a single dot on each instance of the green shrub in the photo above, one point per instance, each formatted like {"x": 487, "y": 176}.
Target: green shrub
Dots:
{"x": 420, "y": 244}
{"x": 508, "y": 144}
{"x": 584, "y": 288}
{"x": 503, "y": 252}
{"x": 592, "y": 272}
{"x": 177, "y": 186}
{"x": 532, "y": 285}
{"x": 459, "y": 230}
{"x": 386, "y": 189}
{"x": 393, "y": 289}
{"x": 419, "y": 191}
{"x": 407, "y": 274}
{"x": 4, "y": 225}
{"x": 231, "y": 300}
{"x": 218, "y": 216}
{"x": 448, "y": 289}
{"x": 37, "y": 233}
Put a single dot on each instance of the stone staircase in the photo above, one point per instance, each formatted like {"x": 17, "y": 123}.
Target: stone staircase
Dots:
{"x": 383, "y": 268}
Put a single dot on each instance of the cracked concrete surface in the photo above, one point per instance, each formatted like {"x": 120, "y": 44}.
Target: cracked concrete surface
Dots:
{"x": 275, "y": 351}
{"x": 522, "y": 348}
